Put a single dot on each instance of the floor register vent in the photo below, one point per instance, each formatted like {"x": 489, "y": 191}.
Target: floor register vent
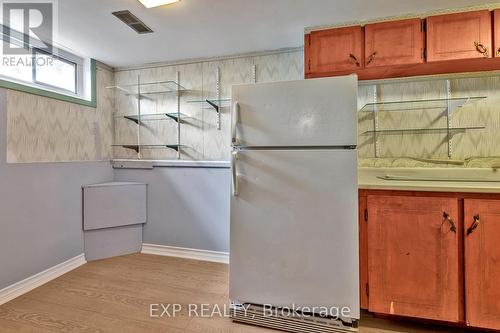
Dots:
{"x": 254, "y": 315}
{"x": 133, "y": 22}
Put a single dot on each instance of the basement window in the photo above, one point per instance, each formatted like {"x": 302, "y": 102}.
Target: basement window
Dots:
{"x": 55, "y": 72}
{"x": 59, "y": 74}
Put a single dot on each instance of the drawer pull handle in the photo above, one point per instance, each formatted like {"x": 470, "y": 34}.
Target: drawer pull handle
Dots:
{"x": 371, "y": 58}
{"x": 474, "y": 225}
{"x": 447, "y": 218}
{"x": 354, "y": 59}
{"x": 481, "y": 49}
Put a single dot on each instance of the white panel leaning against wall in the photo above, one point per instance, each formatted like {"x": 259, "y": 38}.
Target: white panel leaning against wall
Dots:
{"x": 200, "y": 136}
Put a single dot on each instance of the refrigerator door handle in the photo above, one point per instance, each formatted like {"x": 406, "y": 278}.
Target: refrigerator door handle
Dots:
{"x": 234, "y": 122}
{"x": 234, "y": 158}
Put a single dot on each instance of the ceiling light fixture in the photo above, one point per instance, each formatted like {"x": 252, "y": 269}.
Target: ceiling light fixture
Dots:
{"x": 156, "y": 3}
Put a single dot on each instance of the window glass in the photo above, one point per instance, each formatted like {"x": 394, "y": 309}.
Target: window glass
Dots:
{"x": 61, "y": 72}
{"x": 55, "y": 72}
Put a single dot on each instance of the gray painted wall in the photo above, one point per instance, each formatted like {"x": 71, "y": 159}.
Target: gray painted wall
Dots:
{"x": 40, "y": 211}
{"x": 188, "y": 207}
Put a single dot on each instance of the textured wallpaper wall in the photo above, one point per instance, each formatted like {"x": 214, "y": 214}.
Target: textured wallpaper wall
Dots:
{"x": 198, "y": 132}
{"x": 44, "y": 130}
{"x": 41, "y": 129}
{"x": 475, "y": 147}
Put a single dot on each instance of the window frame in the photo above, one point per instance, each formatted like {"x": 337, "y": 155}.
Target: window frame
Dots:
{"x": 77, "y": 69}
{"x": 47, "y": 90}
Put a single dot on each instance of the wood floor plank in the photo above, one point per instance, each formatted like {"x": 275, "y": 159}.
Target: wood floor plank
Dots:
{"x": 165, "y": 272}
{"x": 49, "y": 317}
{"x": 110, "y": 304}
{"x": 114, "y": 295}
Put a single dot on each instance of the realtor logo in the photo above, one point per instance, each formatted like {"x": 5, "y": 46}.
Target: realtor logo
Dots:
{"x": 27, "y": 25}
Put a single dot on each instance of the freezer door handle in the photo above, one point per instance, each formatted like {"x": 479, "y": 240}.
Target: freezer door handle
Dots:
{"x": 234, "y": 158}
{"x": 234, "y": 122}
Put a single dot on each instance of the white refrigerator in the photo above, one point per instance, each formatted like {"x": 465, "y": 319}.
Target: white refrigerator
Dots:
{"x": 294, "y": 205}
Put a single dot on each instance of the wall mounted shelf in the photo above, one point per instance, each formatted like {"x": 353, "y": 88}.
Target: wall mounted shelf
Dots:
{"x": 419, "y": 105}
{"x": 446, "y": 107}
{"x": 175, "y": 147}
{"x": 150, "y": 88}
{"x": 142, "y": 91}
{"x": 215, "y": 104}
{"x": 423, "y": 130}
{"x": 154, "y": 117}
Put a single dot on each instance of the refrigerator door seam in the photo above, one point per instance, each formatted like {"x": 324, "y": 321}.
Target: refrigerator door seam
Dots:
{"x": 348, "y": 147}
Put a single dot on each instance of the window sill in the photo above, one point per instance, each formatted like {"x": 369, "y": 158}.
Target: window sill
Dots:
{"x": 54, "y": 95}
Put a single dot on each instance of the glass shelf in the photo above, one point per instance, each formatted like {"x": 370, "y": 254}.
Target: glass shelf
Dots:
{"x": 423, "y": 130}
{"x": 430, "y": 104}
{"x": 216, "y": 104}
{"x": 175, "y": 147}
{"x": 154, "y": 117}
{"x": 150, "y": 88}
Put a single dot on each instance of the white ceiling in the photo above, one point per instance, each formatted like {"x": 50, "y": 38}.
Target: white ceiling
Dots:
{"x": 206, "y": 28}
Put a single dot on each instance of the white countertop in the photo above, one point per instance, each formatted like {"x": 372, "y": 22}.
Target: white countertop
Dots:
{"x": 473, "y": 180}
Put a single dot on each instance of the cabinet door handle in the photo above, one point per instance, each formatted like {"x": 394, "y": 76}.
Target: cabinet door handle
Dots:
{"x": 354, "y": 59}
{"x": 447, "y": 218}
{"x": 481, "y": 49}
{"x": 498, "y": 52}
{"x": 371, "y": 58}
{"x": 474, "y": 225}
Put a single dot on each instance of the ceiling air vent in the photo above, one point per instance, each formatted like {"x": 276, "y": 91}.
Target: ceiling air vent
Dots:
{"x": 132, "y": 21}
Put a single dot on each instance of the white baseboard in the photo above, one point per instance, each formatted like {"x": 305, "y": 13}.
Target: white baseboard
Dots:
{"x": 35, "y": 281}
{"x": 181, "y": 252}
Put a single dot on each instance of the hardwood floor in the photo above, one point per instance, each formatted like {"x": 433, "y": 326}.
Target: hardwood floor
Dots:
{"x": 114, "y": 295}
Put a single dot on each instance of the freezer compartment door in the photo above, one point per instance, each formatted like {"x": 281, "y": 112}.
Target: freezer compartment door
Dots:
{"x": 294, "y": 230}
{"x": 318, "y": 112}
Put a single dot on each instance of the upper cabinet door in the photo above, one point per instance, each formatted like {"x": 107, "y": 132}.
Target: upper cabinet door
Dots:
{"x": 336, "y": 50}
{"x": 482, "y": 263}
{"x": 413, "y": 256}
{"x": 496, "y": 25}
{"x": 394, "y": 43}
{"x": 459, "y": 36}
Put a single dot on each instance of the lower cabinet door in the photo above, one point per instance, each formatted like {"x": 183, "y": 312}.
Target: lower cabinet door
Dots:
{"x": 482, "y": 263}
{"x": 413, "y": 257}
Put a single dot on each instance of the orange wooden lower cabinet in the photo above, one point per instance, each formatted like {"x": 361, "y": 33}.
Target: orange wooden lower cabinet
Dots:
{"x": 433, "y": 256}
{"x": 482, "y": 263}
{"x": 413, "y": 257}
{"x": 363, "y": 257}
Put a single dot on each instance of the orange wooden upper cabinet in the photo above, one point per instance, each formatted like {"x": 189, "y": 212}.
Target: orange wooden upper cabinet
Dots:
{"x": 394, "y": 43}
{"x": 336, "y": 50}
{"x": 496, "y": 25}
{"x": 459, "y": 36}
{"x": 413, "y": 257}
{"x": 482, "y": 263}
